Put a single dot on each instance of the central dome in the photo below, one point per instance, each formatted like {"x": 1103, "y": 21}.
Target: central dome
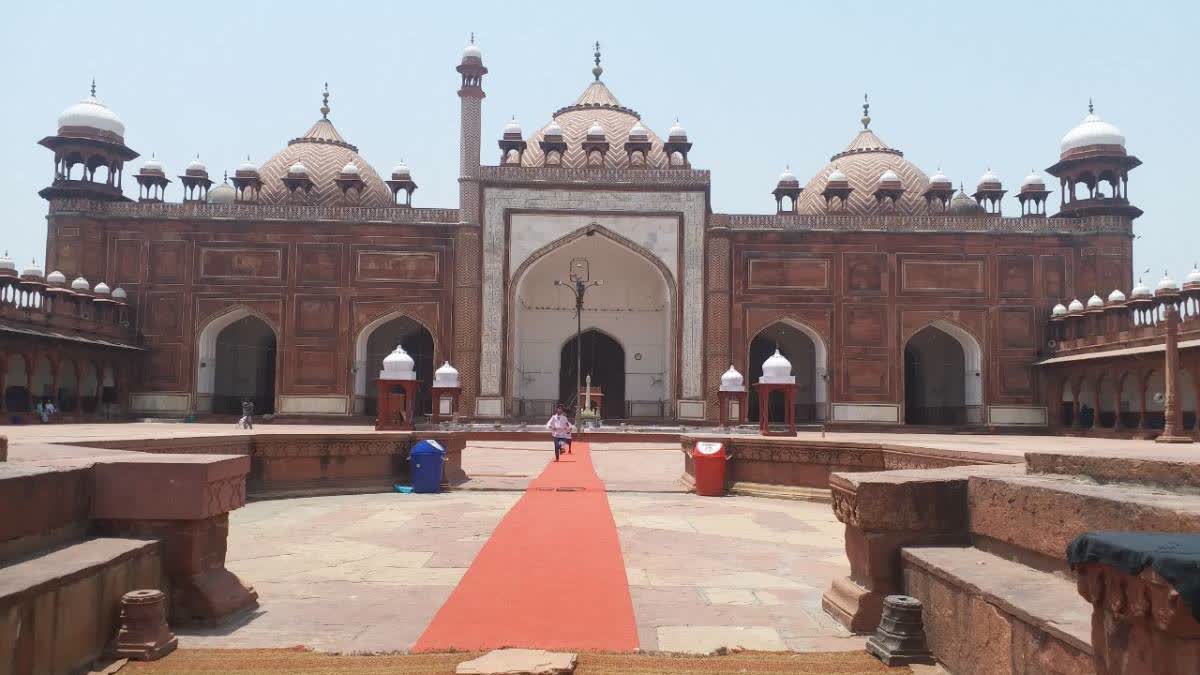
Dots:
{"x": 595, "y": 105}
{"x": 863, "y": 162}
{"x": 323, "y": 153}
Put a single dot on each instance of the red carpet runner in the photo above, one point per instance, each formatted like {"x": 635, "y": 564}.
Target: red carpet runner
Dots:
{"x": 551, "y": 577}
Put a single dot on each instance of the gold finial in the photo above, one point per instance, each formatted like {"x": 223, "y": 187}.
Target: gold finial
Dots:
{"x": 866, "y": 118}
{"x": 93, "y": 87}
{"x": 597, "y": 71}
{"x": 325, "y": 103}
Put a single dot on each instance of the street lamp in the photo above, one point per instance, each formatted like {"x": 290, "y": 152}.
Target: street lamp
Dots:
{"x": 580, "y": 276}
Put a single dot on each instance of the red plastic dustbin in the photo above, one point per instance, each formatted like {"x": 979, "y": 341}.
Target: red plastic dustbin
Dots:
{"x": 708, "y": 459}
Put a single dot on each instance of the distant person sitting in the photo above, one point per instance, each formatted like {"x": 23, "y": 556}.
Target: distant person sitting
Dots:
{"x": 560, "y": 428}
{"x": 247, "y": 421}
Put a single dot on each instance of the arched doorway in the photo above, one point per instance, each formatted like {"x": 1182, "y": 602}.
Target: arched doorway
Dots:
{"x": 633, "y": 307}
{"x": 244, "y": 367}
{"x": 804, "y": 348}
{"x": 378, "y": 340}
{"x": 603, "y": 358}
{"x": 942, "y": 376}
{"x": 16, "y": 385}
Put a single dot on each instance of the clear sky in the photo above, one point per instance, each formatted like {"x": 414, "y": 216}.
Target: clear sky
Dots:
{"x": 758, "y": 86}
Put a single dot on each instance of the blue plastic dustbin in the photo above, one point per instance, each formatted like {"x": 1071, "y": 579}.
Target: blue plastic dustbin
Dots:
{"x": 425, "y": 466}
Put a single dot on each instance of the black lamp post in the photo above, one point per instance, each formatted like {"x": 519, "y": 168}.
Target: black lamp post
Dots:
{"x": 579, "y": 283}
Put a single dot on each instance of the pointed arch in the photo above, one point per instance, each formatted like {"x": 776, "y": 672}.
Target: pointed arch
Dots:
{"x": 972, "y": 366}
{"x": 820, "y": 361}
{"x": 206, "y": 350}
{"x": 362, "y": 369}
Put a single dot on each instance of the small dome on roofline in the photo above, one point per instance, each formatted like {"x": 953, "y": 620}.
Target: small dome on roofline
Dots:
{"x": 1167, "y": 284}
{"x": 6, "y": 263}
{"x": 445, "y": 376}
{"x": 472, "y": 51}
{"x": 398, "y": 365}
{"x": 101, "y": 289}
{"x": 1193, "y": 277}
{"x": 33, "y": 271}
{"x": 1092, "y": 131}
{"x": 247, "y": 167}
{"x": 401, "y": 172}
{"x": 1141, "y": 290}
{"x": 91, "y": 115}
{"x": 989, "y": 180}
{"x": 351, "y": 169}
{"x": 595, "y": 131}
{"x": 196, "y": 167}
{"x": 732, "y": 380}
{"x": 638, "y": 132}
{"x": 1059, "y": 310}
{"x": 939, "y": 179}
{"x": 512, "y": 128}
{"x": 836, "y": 176}
{"x": 889, "y": 176}
{"x": 1117, "y": 297}
{"x": 297, "y": 170}
{"x": 787, "y": 177}
{"x": 777, "y": 369}
{"x": 677, "y": 132}
{"x": 57, "y": 278}
{"x": 222, "y": 194}
{"x": 119, "y": 293}
{"x": 962, "y": 205}
{"x": 1075, "y": 306}
{"x": 80, "y": 284}
{"x": 1095, "y": 302}
{"x": 553, "y": 129}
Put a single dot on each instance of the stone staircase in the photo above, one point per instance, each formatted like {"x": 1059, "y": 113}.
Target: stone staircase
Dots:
{"x": 985, "y": 549}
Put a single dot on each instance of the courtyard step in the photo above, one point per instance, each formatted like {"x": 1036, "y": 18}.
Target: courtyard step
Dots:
{"x": 1032, "y": 518}
{"x": 1170, "y": 466}
{"x": 985, "y": 614}
{"x": 59, "y": 608}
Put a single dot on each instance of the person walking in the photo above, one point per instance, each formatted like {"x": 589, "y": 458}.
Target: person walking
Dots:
{"x": 560, "y": 429}
{"x": 247, "y": 420}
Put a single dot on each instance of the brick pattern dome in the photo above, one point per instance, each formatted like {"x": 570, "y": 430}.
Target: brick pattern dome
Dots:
{"x": 596, "y": 105}
{"x": 862, "y": 163}
{"x": 323, "y": 152}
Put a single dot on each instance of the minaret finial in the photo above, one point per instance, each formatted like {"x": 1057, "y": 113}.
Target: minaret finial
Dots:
{"x": 597, "y": 70}
{"x": 866, "y": 118}
{"x": 472, "y": 37}
{"x": 1091, "y": 108}
{"x": 325, "y": 103}
{"x": 93, "y": 87}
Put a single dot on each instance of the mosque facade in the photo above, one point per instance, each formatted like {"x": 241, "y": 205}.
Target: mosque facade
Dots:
{"x": 896, "y": 298}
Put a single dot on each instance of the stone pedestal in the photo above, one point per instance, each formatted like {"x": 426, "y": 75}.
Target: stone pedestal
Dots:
{"x": 884, "y": 512}
{"x": 1139, "y": 623}
{"x": 397, "y": 405}
{"x": 900, "y": 638}
{"x": 445, "y": 402}
{"x": 183, "y": 501}
{"x": 732, "y": 407}
{"x": 764, "y": 407}
{"x": 144, "y": 635}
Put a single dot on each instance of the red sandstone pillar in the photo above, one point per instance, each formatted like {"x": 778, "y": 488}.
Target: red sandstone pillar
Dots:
{"x": 1172, "y": 415}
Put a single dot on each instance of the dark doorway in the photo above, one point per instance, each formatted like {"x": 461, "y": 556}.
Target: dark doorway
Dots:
{"x": 934, "y": 379}
{"x": 418, "y": 342}
{"x": 800, "y": 350}
{"x": 604, "y": 359}
{"x": 245, "y": 367}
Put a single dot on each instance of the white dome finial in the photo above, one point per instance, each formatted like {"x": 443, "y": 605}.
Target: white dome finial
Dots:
{"x": 777, "y": 370}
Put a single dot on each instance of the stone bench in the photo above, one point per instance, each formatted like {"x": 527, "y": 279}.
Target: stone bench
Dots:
{"x": 60, "y": 608}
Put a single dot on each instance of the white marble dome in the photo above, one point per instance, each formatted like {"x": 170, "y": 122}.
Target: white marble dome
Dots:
{"x": 939, "y": 179}
{"x": 595, "y": 130}
{"x": 6, "y": 263}
{"x": 33, "y": 270}
{"x": 732, "y": 380}
{"x": 836, "y": 176}
{"x": 1167, "y": 284}
{"x": 398, "y": 366}
{"x": 196, "y": 166}
{"x": 101, "y": 289}
{"x": 247, "y": 167}
{"x": 638, "y": 132}
{"x": 152, "y": 165}
{"x": 552, "y": 129}
{"x": 222, "y": 194}
{"x": 297, "y": 170}
{"x": 889, "y": 176}
{"x": 401, "y": 172}
{"x": 80, "y": 284}
{"x": 1141, "y": 290}
{"x": 1117, "y": 297}
{"x": 777, "y": 370}
{"x": 472, "y": 51}
{"x": 1193, "y": 277}
{"x": 57, "y": 278}
{"x": 119, "y": 294}
{"x": 1095, "y": 302}
{"x": 350, "y": 169}
{"x": 1059, "y": 310}
{"x": 512, "y": 128}
{"x": 1075, "y": 306}
{"x": 1033, "y": 181}
{"x": 90, "y": 113}
{"x": 445, "y": 376}
{"x": 677, "y": 132}
{"x": 1091, "y": 131}
{"x": 989, "y": 179}
{"x": 787, "y": 177}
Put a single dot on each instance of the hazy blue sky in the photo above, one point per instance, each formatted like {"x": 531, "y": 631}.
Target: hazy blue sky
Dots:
{"x": 757, "y": 86}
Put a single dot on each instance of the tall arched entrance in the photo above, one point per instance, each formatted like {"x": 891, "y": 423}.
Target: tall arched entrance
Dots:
{"x": 379, "y": 339}
{"x": 804, "y": 348}
{"x": 942, "y": 377}
{"x": 244, "y": 367}
{"x": 629, "y": 325}
{"x": 601, "y": 357}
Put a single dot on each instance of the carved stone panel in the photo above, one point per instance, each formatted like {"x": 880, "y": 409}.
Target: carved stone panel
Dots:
{"x": 864, "y": 326}
{"x": 1016, "y": 378}
{"x": 1016, "y": 328}
{"x": 964, "y": 277}
{"x": 228, "y": 263}
{"x": 403, "y": 266}
{"x": 163, "y": 366}
{"x": 320, "y": 264}
{"x": 315, "y": 366}
{"x": 792, "y": 273}
{"x": 1053, "y": 277}
{"x": 865, "y": 273}
{"x": 317, "y": 315}
{"x": 866, "y": 376}
{"x": 162, "y": 315}
{"x": 1015, "y": 276}
{"x": 127, "y": 262}
{"x": 168, "y": 262}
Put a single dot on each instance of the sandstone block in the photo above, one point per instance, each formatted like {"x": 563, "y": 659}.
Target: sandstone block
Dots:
{"x": 519, "y": 662}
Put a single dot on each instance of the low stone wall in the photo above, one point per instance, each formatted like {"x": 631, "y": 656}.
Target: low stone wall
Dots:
{"x": 284, "y": 465}
{"x": 804, "y": 463}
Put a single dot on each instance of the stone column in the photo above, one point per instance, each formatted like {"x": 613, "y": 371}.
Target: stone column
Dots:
{"x": 1172, "y": 415}
{"x": 468, "y": 260}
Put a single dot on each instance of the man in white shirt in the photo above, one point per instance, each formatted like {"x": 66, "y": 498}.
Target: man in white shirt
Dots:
{"x": 560, "y": 428}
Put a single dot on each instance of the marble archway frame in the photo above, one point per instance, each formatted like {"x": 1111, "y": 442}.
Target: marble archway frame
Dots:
{"x": 361, "y": 367}
{"x": 689, "y": 206}
{"x": 206, "y": 352}
{"x": 820, "y": 358}
{"x": 972, "y": 363}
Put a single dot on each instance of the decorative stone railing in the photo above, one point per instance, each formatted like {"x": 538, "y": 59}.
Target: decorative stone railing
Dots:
{"x": 932, "y": 223}
{"x": 257, "y": 212}
{"x": 680, "y": 177}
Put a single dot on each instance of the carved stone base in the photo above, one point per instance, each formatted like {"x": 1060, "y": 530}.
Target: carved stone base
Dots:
{"x": 144, "y": 635}
{"x": 211, "y": 598}
{"x": 900, "y": 638}
{"x": 1163, "y": 438}
{"x": 853, "y": 606}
